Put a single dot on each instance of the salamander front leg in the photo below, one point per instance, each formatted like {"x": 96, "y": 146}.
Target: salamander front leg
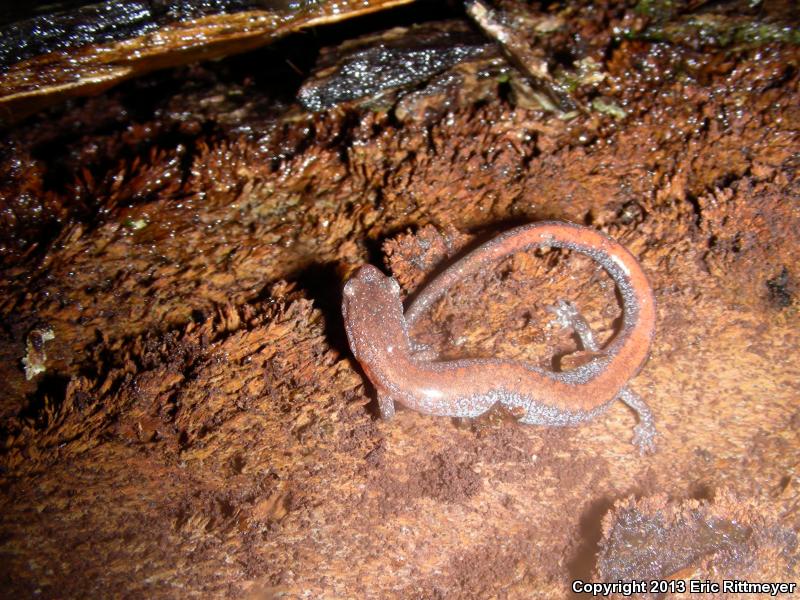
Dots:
{"x": 644, "y": 434}
{"x": 385, "y": 404}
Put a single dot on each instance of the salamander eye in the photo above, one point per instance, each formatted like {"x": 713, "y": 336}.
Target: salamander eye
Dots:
{"x": 349, "y": 289}
{"x": 394, "y": 285}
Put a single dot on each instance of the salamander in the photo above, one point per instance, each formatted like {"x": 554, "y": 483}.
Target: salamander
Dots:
{"x": 378, "y": 333}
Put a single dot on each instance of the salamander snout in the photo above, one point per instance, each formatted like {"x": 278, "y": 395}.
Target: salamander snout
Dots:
{"x": 369, "y": 281}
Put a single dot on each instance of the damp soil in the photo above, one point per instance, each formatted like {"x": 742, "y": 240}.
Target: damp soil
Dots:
{"x": 196, "y": 424}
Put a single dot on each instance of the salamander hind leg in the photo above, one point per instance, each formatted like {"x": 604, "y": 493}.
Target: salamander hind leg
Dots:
{"x": 568, "y": 316}
{"x": 644, "y": 434}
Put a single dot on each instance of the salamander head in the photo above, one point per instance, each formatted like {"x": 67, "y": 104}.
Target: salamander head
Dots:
{"x": 373, "y": 317}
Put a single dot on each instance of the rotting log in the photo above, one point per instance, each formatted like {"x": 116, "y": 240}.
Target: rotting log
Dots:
{"x": 200, "y": 426}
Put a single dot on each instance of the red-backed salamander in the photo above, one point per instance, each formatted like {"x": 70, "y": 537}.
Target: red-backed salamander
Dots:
{"x": 378, "y": 333}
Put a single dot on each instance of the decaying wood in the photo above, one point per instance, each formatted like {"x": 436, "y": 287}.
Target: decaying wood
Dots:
{"x": 722, "y": 538}
{"x": 89, "y": 66}
{"x": 201, "y": 428}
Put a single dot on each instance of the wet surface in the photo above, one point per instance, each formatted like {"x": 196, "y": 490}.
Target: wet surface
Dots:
{"x": 369, "y": 68}
{"x": 82, "y": 50}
